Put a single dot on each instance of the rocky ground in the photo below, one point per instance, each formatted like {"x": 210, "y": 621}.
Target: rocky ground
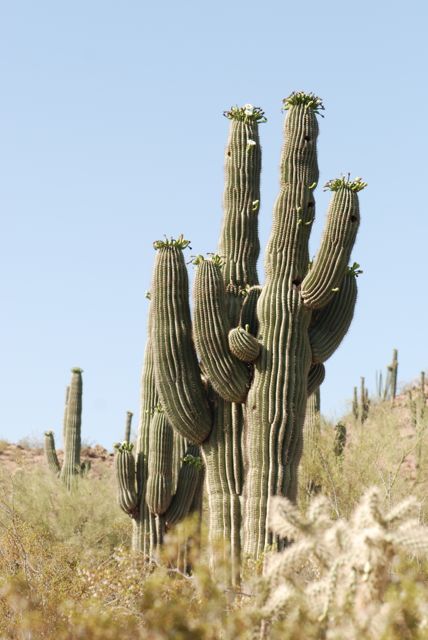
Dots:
{"x": 15, "y": 456}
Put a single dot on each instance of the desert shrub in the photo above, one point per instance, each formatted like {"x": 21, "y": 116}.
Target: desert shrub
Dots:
{"x": 380, "y": 452}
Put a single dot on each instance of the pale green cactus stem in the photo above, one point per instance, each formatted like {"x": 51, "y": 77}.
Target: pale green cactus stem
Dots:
{"x": 125, "y": 476}
{"x": 364, "y": 404}
{"x": 277, "y": 399}
{"x": 50, "y": 453}
{"x": 228, "y": 376}
{"x": 355, "y": 404}
{"x": 71, "y": 468}
{"x": 213, "y": 415}
{"x": 160, "y": 463}
{"x": 128, "y": 425}
{"x": 312, "y": 424}
{"x": 243, "y": 344}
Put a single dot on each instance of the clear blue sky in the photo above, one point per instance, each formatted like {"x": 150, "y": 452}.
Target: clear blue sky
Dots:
{"x": 112, "y": 135}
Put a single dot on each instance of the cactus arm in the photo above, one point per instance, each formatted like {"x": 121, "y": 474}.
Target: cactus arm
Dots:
{"x": 329, "y": 267}
{"x": 50, "y": 453}
{"x": 187, "y": 484}
{"x": 239, "y": 242}
{"x": 177, "y": 371}
{"x": 125, "y": 477}
{"x": 330, "y": 324}
{"x": 316, "y": 377}
{"x": 249, "y": 310}
{"x": 228, "y": 376}
{"x": 243, "y": 345}
{"x": 160, "y": 469}
{"x": 71, "y": 465}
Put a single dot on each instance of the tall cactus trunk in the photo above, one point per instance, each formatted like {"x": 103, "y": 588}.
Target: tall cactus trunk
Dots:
{"x": 71, "y": 466}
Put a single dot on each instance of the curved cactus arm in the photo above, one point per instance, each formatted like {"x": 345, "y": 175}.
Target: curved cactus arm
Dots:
{"x": 160, "y": 463}
{"x": 125, "y": 476}
{"x": 50, "y": 453}
{"x": 316, "y": 377}
{"x": 249, "y": 310}
{"x": 177, "y": 373}
{"x": 180, "y": 448}
{"x": 239, "y": 241}
{"x": 228, "y": 376}
{"x": 329, "y": 267}
{"x": 243, "y": 345}
{"x": 187, "y": 485}
{"x": 71, "y": 465}
{"x": 330, "y": 324}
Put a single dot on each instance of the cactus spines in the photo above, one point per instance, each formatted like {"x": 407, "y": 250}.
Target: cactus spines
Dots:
{"x": 71, "y": 468}
{"x": 259, "y": 347}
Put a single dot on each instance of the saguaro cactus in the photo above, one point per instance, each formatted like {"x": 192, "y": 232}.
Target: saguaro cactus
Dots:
{"x": 71, "y": 434}
{"x": 255, "y": 351}
{"x": 158, "y": 487}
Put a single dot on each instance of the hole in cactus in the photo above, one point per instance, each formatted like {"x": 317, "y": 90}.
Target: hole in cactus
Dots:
{"x": 353, "y": 218}
{"x": 229, "y": 154}
{"x": 307, "y": 138}
{"x": 297, "y": 282}
{"x": 310, "y": 204}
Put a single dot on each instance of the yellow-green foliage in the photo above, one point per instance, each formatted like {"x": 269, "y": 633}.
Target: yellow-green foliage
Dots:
{"x": 380, "y": 452}
{"x": 66, "y": 572}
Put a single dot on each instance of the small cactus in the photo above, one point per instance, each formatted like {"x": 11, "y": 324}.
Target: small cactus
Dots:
{"x": 71, "y": 468}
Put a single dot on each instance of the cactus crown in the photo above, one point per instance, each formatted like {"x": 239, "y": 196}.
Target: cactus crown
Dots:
{"x": 49, "y": 433}
{"x": 307, "y": 100}
{"x": 76, "y": 370}
{"x": 345, "y": 182}
{"x": 217, "y": 260}
{"x": 168, "y": 243}
{"x": 195, "y": 461}
{"x": 123, "y": 446}
{"x": 246, "y": 114}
